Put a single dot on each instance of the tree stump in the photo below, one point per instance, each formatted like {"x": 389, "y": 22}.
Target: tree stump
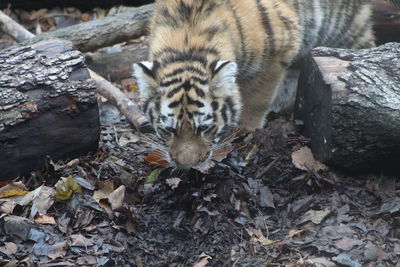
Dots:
{"x": 348, "y": 103}
{"x": 48, "y": 106}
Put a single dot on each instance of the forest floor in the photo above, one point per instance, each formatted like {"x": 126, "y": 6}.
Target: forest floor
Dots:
{"x": 254, "y": 208}
{"x": 265, "y": 202}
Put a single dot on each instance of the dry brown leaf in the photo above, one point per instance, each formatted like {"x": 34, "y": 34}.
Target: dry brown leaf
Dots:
{"x": 154, "y": 159}
{"x": 45, "y": 219}
{"x": 202, "y": 261}
{"x": 315, "y": 216}
{"x": 292, "y": 233}
{"x": 9, "y": 248}
{"x": 58, "y": 250}
{"x": 43, "y": 200}
{"x": 13, "y": 189}
{"x": 116, "y": 198}
{"x": 303, "y": 159}
{"x": 79, "y": 240}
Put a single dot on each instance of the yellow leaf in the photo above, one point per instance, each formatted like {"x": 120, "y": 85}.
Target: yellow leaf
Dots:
{"x": 13, "y": 189}
{"x": 65, "y": 187}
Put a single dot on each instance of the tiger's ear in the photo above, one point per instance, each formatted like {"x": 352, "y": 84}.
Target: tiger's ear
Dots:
{"x": 145, "y": 78}
{"x": 224, "y": 78}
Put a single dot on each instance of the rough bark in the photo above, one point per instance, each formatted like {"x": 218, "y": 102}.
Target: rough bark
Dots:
{"x": 103, "y": 32}
{"x": 48, "y": 106}
{"x": 348, "y": 102}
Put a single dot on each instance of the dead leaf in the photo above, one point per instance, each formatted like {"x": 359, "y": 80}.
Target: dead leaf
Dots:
{"x": 173, "y": 182}
{"x": 65, "y": 187}
{"x": 266, "y": 198}
{"x": 117, "y": 197}
{"x": 42, "y": 201}
{"x": 292, "y": 233}
{"x": 257, "y": 236}
{"x": 202, "y": 260}
{"x": 303, "y": 159}
{"x": 320, "y": 262}
{"x": 347, "y": 244}
{"x": 127, "y": 138}
{"x": 154, "y": 159}
{"x": 9, "y": 248}
{"x": 44, "y": 219}
{"x": 101, "y": 195}
{"x": 79, "y": 240}
{"x": 13, "y": 189}
{"x": 315, "y": 216}
{"x": 57, "y": 250}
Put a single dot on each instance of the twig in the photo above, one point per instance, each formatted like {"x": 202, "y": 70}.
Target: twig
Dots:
{"x": 13, "y": 29}
{"x": 105, "y": 88}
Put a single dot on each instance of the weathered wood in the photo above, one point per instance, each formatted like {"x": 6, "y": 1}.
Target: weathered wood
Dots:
{"x": 48, "y": 106}
{"x": 103, "y": 32}
{"x": 349, "y": 104}
{"x": 117, "y": 66}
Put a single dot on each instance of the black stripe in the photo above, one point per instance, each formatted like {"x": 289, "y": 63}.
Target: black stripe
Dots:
{"x": 174, "y": 104}
{"x": 214, "y": 105}
{"x": 224, "y": 114}
{"x": 146, "y": 105}
{"x": 183, "y": 69}
{"x": 170, "y": 82}
{"x": 244, "y": 59}
{"x": 267, "y": 27}
{"x": 231, "y": 106}
{"x": 191, "y": 101}
{"x": 215, "y": 71}
{"x": 151, "y": 117}
{"x": 199, "y": 80}
{"x": 199, "y": 91}
{"x": 174, "y": 91}
{"x": 147, "y": 71}
{"x": 185, "y": 57}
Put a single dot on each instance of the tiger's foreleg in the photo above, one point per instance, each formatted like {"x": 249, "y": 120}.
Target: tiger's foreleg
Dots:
{"x": 258, "y": 94}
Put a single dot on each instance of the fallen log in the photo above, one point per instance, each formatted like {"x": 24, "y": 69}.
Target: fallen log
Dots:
{"x": 94, "y": 34}
{"x": 127, "y": 107}
{"x": 117, "y": 66}
{"x": 348, "y": 103}
{"x": 48, "y": 106}
{"x": 84, "y": 4}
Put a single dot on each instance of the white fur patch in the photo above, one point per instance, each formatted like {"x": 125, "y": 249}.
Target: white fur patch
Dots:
{"x": 225, "y": 79}
{"x": 144, "y": 81}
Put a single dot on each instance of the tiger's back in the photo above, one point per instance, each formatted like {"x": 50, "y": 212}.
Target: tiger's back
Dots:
{"x": 217, "y": 63}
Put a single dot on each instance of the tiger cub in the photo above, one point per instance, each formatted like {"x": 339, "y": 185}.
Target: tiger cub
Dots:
{"x": 216, "y": 64}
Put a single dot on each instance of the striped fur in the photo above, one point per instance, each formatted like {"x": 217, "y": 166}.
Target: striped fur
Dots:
{"x": 215, "y": 64}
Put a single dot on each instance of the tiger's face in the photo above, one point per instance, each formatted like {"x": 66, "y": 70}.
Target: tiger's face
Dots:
{"x": 191, "y": 107}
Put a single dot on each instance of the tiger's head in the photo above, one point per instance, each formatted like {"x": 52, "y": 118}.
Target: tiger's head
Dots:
{"x": 191, "y": 106}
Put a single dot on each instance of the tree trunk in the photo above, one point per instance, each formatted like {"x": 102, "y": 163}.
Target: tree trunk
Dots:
{"x": 48, "y": 106}
{"x": 103, "y": 32}
{"x": 348, "y": 102}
